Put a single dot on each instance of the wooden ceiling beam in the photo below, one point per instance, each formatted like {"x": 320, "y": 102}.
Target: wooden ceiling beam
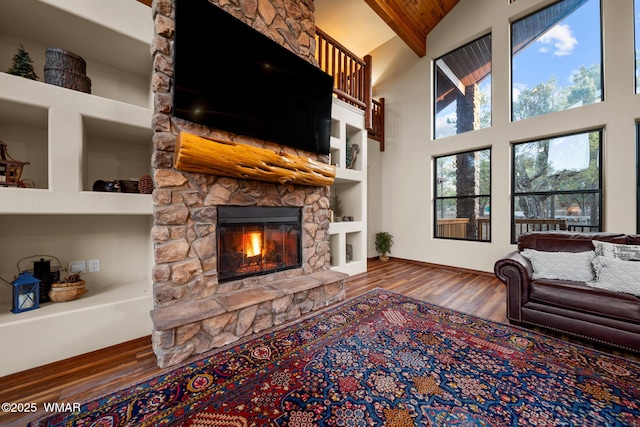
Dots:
{"x": 412, "y": 20}
{"x": 392, "y": 13}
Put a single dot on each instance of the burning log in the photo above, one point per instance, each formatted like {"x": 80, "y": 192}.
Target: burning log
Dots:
{"x": 256, "y": 259}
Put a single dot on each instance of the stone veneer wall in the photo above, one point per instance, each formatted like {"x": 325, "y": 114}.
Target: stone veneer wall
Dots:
{"x": 193, "y": 311}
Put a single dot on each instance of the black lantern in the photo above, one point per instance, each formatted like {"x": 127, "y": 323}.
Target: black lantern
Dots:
{"x": 26, "y": 293}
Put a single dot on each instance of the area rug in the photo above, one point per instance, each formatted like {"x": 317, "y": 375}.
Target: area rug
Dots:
{"x": 382, "y": 359}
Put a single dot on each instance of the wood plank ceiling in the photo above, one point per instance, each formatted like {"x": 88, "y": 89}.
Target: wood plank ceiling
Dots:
{"x": 411, "y": 20}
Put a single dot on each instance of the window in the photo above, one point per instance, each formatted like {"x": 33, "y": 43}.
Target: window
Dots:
{"x": 566, "y": 37}
{"x": 463, "y": 89}
{"x": 557, "y": 184}
{"x": 463, "y": 195}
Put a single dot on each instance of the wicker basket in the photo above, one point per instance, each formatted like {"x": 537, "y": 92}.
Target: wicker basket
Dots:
{"x": 10, "y": 169}
{"x": 128, "y": 186}
{"x": 63, "y": 292}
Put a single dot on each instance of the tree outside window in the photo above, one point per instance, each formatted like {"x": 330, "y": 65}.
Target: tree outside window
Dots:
{"x": 463, "y": 195}
{"x": 557, "y": 184}
{"x": 463, "y": 89}
{"x": 567, "y": 38}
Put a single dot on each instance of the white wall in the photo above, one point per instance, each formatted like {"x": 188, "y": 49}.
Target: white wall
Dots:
{"x": 405, "y": 81}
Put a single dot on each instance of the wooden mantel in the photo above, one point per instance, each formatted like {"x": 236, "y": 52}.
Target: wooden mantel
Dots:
{"x": 224, "y": 158}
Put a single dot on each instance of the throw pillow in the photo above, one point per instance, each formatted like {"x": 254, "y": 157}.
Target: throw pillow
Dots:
{"x": 613, "y": 250}
{"x": 616, "y": 275}
{"x": 575, "y": 266}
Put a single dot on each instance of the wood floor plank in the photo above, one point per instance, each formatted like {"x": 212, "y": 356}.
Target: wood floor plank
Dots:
{"x": 96, "y": 373}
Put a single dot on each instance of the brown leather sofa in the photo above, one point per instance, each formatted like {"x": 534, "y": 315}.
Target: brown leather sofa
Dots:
{"x": 569, "y": 307}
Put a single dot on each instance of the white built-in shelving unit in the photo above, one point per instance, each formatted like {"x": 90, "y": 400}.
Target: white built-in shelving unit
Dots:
{"x": 71, "y": 139}
{"x": 350, "y": 186}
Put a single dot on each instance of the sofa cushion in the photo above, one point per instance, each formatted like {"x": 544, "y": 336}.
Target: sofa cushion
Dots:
{"x": 575, "y": 266}
{"x": 566, "y": 241}
{"x": 616, "y": 275}
{"x": 613, "y": 250}
{"x": 579, "y": 296}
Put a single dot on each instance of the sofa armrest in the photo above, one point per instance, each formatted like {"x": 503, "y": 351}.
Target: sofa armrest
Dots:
{"x": 516, "y": 272}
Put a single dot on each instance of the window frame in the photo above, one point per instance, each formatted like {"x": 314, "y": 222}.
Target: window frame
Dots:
{"x": 435, "y": 68}
{"x": 599, "y": 191}
{"x": 436, "y": 198}
{"x": 511, "y": 56}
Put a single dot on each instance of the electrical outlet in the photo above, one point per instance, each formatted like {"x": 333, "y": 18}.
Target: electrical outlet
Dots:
{"x": 94, "y": 265}
{"x": 77, "y": 267}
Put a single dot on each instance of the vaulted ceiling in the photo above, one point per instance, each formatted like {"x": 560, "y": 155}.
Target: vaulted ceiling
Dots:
{"x": 411, "y": 20}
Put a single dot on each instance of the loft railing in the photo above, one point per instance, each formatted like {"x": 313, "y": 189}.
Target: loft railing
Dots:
{"x": 351, "y": 81}
{"x": 349, "y": 72}
{"x": 376, "y": 131}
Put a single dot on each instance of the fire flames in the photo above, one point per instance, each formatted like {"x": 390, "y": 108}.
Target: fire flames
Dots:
{"x": 253, "y": 244}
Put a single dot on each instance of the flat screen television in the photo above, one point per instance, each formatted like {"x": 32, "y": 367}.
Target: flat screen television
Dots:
{"x": 231, "y": 77}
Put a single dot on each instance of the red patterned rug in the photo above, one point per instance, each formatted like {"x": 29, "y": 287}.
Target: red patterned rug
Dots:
{"x": 382, "y": 359}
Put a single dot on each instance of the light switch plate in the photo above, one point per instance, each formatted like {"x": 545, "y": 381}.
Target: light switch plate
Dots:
{"x": 94, "y": 265}
{"x": 77, "y": 267}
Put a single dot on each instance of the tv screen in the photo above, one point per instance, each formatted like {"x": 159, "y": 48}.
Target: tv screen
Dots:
{"x": 231, "y": 77}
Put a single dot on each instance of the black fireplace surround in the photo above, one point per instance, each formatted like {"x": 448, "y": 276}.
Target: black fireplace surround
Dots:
{"x": 258, "y": 240}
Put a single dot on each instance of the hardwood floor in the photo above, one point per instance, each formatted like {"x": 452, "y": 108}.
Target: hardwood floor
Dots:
{"x": 471, "y": 292}
{"x": 92, "y": 374}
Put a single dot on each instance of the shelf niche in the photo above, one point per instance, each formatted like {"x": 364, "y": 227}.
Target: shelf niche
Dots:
{"x": 114, "y": 151}
{"x": 24, "y": 129}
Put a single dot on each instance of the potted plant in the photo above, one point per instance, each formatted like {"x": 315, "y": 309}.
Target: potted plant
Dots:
{"x": 384, "y": 241}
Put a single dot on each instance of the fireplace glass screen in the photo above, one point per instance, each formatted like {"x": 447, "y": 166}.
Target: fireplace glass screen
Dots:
{"x": 257, "y": 240}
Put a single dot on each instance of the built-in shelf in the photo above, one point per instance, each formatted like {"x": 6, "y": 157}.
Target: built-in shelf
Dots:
{"x": 71, "y": 139}
{"x": 113, "y": 313}
{"x": 348, "y": 239}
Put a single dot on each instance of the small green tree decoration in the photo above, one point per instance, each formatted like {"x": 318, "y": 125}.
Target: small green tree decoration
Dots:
{"x": 384, "y": 241}
{"x": 22, "y": 65}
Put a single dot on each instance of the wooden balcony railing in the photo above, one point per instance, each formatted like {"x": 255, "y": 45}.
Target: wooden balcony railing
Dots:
{"x": 455, "y": 228}
{"x": 459, "y": 228}
{"x": 376, "y": 131}
{"x": 542, "y": 224}
{"x": 351, "y": 81}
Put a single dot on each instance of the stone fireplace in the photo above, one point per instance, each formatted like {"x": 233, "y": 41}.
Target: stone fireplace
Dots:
{"x": 233, "y": 256}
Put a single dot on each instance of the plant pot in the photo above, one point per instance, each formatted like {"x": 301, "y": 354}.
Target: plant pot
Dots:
{"x": 384, "y": 257}
{"x": 63, "y": 292}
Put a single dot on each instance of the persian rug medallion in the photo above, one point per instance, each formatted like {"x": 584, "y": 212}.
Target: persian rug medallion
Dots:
{"x": 382, "y": 359}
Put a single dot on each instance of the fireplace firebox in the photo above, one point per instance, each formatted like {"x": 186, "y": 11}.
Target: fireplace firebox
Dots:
{"x": 257, "y": 240}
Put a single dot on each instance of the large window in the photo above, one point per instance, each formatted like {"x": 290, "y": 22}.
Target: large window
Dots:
{"x": 463, "y": 195}
{"x": 557, "y": 184}
{"x": 556, "y": 59}
{"x": 463, "y": 89}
